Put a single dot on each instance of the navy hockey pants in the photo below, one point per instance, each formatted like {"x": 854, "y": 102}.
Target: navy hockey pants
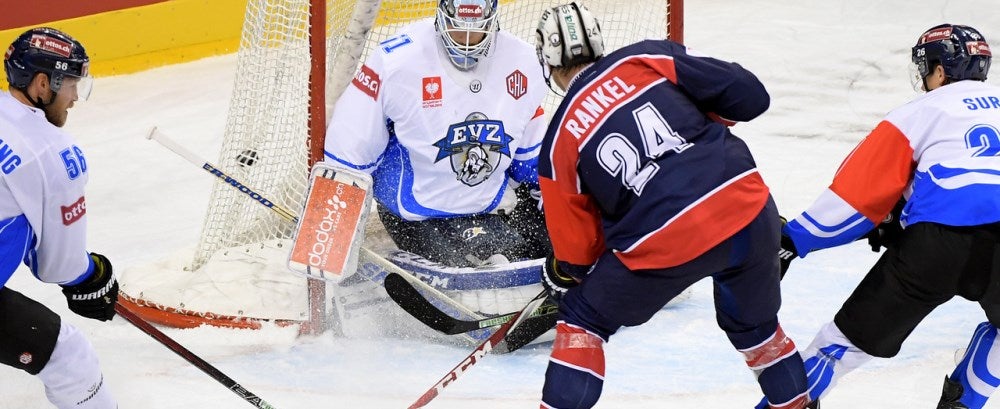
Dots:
{"x": 744, "y": 270}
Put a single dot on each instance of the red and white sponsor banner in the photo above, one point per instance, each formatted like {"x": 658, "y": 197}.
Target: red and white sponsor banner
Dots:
{"x": 935, "y": 35}
{"x": 368, "y": 81}
{"x": 978, "y": 48}
{"x": 329, "y": 223}
{"x": 74, "y": 212}
{"x": 469, "y": 11}
{"x": 51, "y": 45}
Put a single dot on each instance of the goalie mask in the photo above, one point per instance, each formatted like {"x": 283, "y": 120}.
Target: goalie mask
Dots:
{"x": 467, "y": 29}
{"x": 51, "y": 52}
{"x": 568, "y": 35}
{"x": 961, "y": 50}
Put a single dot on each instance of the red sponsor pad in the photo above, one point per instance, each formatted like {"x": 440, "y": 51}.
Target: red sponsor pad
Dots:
{"x": 432, "y": 95}
{"x": 368, "y": 81}
{"x": 51, "y": 45}
{"x": 74, "y": 212}
{"x": 329, "y": 225}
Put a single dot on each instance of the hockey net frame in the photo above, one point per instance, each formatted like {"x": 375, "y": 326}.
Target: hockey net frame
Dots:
{"x": 274, "y": 134}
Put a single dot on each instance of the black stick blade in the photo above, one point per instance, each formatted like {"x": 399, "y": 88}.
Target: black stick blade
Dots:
{"x": 408, "y": 297}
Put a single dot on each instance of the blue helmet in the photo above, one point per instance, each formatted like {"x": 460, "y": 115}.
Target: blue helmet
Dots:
{"x": 44, "y": 50}
{"x": 961, "y": 50}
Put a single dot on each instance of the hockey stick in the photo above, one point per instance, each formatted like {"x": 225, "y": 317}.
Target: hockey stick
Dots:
{"x": 185, "y": 153}
{"x": 480, "y": 351}
{"x": 287, "y": 215}
{"x": 401, "y": 291}
{"x": 189, "y": 356}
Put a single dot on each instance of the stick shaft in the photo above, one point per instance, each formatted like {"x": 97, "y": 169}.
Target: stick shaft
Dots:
{"x": 189, "y": 356}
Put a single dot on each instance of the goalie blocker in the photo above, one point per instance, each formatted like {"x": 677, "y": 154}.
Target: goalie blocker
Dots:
{"x": 329, "y": 234}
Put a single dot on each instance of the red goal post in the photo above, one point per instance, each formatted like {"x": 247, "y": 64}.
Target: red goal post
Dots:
{"x": 295, "y": 58}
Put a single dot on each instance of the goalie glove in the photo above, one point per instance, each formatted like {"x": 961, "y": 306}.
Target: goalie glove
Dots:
{"x": 558, "y": 277}
{"x": 96, "y": 296}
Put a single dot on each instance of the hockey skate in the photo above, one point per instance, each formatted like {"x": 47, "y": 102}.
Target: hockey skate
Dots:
{"x": 950, "y": 395}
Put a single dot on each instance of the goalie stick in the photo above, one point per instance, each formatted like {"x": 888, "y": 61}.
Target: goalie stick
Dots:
{"x": 287, "y": 215}
{"x": 480, "y": 351}
{"x": 189, "y": 356}
{"x": 401, "y": 291}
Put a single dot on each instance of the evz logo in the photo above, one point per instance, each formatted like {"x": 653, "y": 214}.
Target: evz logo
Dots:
{"x": 475, "y": 147}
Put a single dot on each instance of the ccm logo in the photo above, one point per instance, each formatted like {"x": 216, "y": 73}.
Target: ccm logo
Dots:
{"x": 367, "y": 81}
{"x": 74, "y": 212}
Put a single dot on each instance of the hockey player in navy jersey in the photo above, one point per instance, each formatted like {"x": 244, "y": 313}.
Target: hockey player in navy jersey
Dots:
{"x": 646, "y": 191}
{"x": 43, "y": 221}
{"x": 941, "y": 153}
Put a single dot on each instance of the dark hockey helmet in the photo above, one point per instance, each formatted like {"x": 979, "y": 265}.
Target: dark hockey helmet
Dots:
{"x": 50, "y": 51}
{"x": 961, "y": 50}
{"x": 568, "y": 35}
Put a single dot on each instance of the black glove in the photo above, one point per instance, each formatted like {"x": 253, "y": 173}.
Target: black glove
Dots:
{"x": 96, "y": 297}
{"x": 787, "y": 251}
{"x": 887, "y": 233}
{"x": 555, "y": 280}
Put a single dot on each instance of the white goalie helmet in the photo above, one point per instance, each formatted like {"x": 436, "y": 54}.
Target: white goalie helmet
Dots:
{"x": 568, "y": 35}
{"x": 467, "y": 28}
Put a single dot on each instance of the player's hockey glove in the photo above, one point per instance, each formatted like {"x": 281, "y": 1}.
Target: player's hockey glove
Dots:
{"x": 97, "y": 295}
{"x": 787, "y": 251}
{"x": 887, "y": 233}
{"x": 555, "y": 277}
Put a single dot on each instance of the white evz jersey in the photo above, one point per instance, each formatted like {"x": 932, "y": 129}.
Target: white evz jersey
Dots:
{"x": 42, "y": 208}
{"x": 440, "y": 142}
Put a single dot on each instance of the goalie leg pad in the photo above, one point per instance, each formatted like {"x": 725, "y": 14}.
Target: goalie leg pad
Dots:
{"x": 978, "y": 369}
{"x": 575, "y": 375}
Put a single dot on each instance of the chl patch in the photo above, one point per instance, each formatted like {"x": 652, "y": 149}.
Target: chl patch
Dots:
{"x": 517, "y": 84}
{"x": 25, "y": 358}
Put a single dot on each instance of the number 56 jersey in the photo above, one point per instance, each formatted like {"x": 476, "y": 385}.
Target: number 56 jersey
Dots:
{"x": 440, "y": 142}
{"x": 639, "y": 158}
{"x": 42, "y": 208}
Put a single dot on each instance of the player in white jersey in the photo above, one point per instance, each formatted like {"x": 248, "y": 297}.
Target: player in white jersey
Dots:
{"x": 43, "y": 221}
{"x": 941, "y": 154}
{"x": 446, "y": 115}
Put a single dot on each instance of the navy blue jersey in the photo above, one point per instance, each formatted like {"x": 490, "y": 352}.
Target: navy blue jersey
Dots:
{"x": 639, "y": 157}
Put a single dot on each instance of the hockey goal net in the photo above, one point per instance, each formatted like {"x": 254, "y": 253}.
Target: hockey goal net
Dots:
{"x": 289, "y": 73}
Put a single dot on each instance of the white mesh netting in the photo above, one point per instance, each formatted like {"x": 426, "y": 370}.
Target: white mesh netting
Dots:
{"x": 238, "y": 265}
